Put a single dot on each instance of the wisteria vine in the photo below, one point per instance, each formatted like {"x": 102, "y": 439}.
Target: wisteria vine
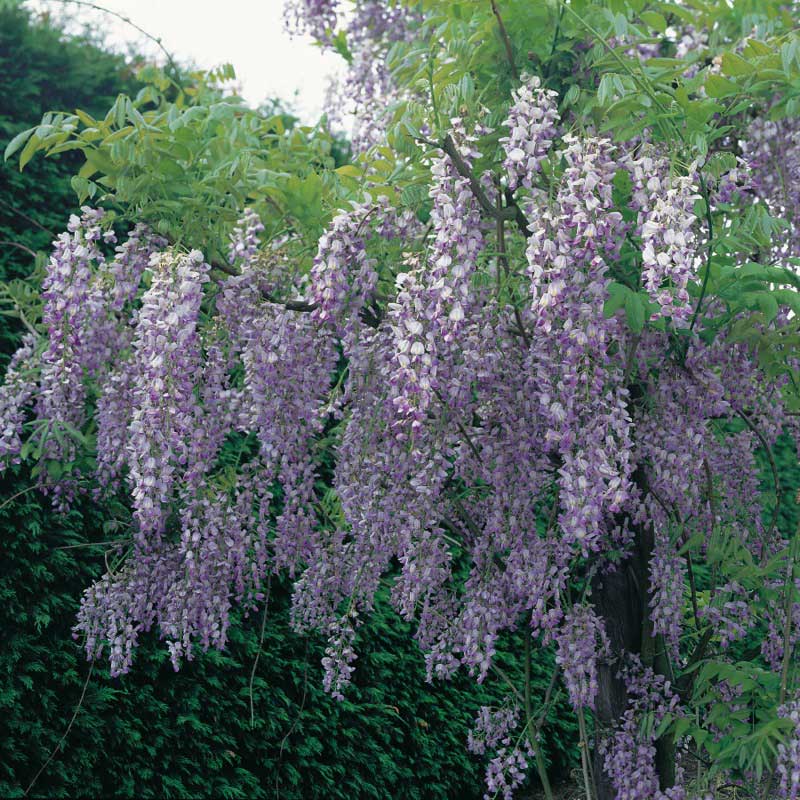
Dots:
{"x": 473, "y": 419}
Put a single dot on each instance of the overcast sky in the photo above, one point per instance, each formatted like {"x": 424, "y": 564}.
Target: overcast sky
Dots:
{"x": 246, "y": 33}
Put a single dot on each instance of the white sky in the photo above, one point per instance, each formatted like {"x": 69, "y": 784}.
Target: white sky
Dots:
{"x": 246, "y": 33}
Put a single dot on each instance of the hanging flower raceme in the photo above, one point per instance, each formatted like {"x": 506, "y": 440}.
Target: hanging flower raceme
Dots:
{"x": 315, "y": 17}
{"x": 578, "y": 380}
{"x": 667, "y": 577}
{"x": 15, "y": 395}
{"x": 666, "y": 225}
{"x": 344, "y": 276}
{"x": 532, "y": 122}
{"x": 581, "y": 642}
{"x": 86, "y": 313}
{"x": 113, "y": 288}
{"x": 788, "y": 768}
{"x": 166, "y": 359}
{"x": 433, "y": 301}
{"x": 187, "y": 588}
{"x": 244, "y": 238}
{"x": 110, "y": 335}
{"x": 495, "y": 731}
{"x": 771, "y": 152}
{"x": 366, "y": 91}
{"x": 629, "y": 753}
{"x": 288, "y": 360}
{"x": 66, "y": 291}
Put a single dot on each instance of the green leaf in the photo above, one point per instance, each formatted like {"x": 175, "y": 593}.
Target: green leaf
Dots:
{"x": 350, "y": 171}
{"x": 617, "y": 298}
{"x": 655, "y": 20}
{"x": 768, "y": 305}
{"x": 572, "y": 95}
{"x": 28, "y": 151}
{"x": 17, "y": 142}
{"x": 80, "y": 186}
{"x": 635, "y": 312}
{"x": 718, "y": 86}
{"x": 735, "y": 65}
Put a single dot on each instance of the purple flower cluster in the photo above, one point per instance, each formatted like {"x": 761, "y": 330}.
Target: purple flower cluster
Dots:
{"x": 187, "y": 589}
{"x": 532, "y": 123}
{"x": 494, "y": 730}
{"x": 15, "y": 394}
{"x": 667, "y": 573}
{"x": 581, "y": 642}
{"x": 568, "y": 256}
{"x": 315, "y": 17}
{"x": 506, "y": 772}
{"x": 432, "y": 303}
{"x": 66, "y": 291}
{"x": 166, "y": 359}
{"x": 629, "y": 752}
{"x": 344, "y": 276}
{"x": 338, "y": 659}
{"x": 788, "y": 766}
{"x": 244, "y": 238}
{"x": 771, "y": 152}
{"x": 367, "y": 91}
{"x": 666, "y": 225}
{"x": 288, "y": 360}
{"x": 113, "y": 288}
{"x": 88, "y": 328}
{"x": 730, "y": 616}
{"x": 774, "y": 642}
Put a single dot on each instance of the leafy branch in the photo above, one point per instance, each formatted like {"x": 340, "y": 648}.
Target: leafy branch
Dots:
{"x": 511, "y": 211}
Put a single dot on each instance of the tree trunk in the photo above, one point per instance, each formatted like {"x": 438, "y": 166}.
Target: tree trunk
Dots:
{"x": 621, "y": 600}
{"x": 618, "y": 601}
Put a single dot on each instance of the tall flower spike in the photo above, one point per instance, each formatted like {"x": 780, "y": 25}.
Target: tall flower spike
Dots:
{"x": 66, "y": 314}
{"x": 16, "y": 394}
{"x": 532, "y": 122}
{"x": 165, "y": 362}
{"x": 432, "y": 303}
{"x": 244, "y": 238}
{"x": 669, "y": 246}
{"x": 581, "y": 642}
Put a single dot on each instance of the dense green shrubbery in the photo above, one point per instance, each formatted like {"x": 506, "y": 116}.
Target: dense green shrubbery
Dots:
{"x": 155, "y": 733}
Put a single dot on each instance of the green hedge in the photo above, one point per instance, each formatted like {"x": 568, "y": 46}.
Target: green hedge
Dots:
{"x": 155, "y": 733}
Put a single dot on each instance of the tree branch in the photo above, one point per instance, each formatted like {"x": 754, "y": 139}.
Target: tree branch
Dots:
{"x": 502, "y": 259}
{"x": 506, "y": 40}
{"x": 773, "y": 466}
{"x": 61, "y": 741}
{"x": 541, "y": 767}
{"x": 258, "y": 652}
{"x": 128, "y": 21}
{"x": 511, "y": 212}
{"x": 36, "y": 223}
{"x": 19, "y": 246}
{"x": 289, "y": 305}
